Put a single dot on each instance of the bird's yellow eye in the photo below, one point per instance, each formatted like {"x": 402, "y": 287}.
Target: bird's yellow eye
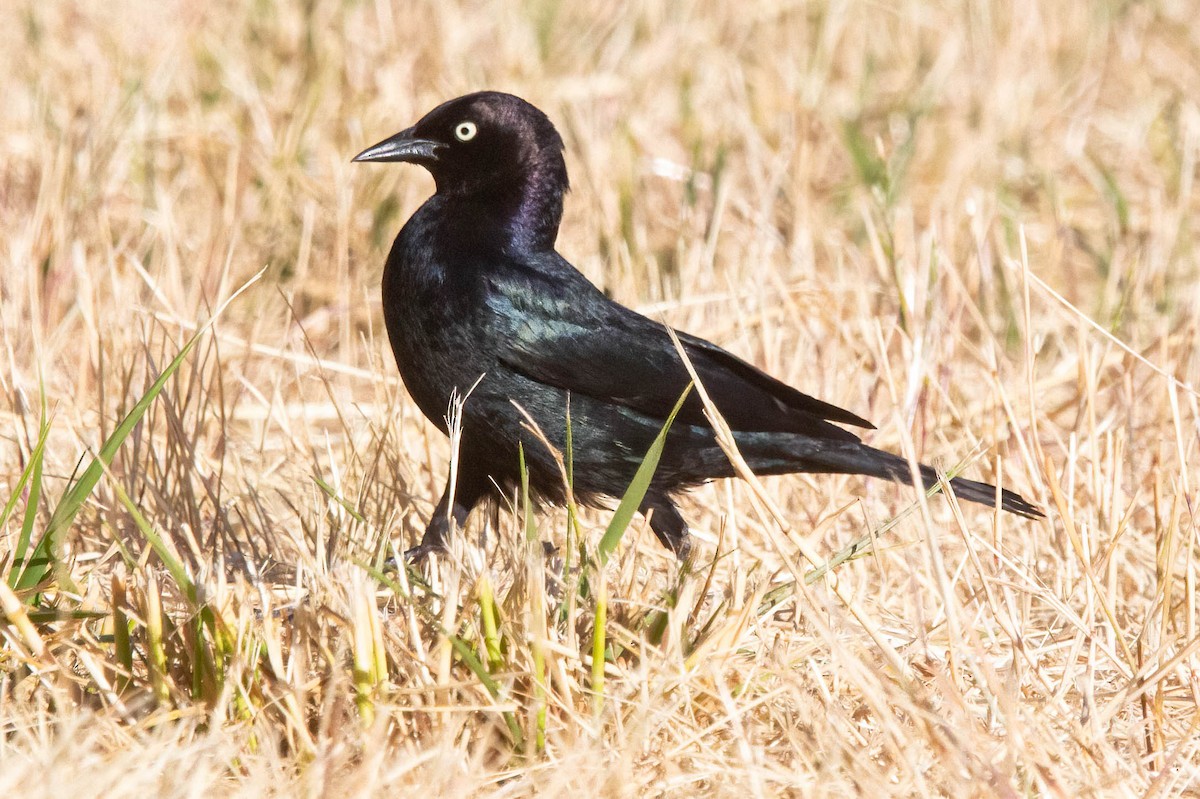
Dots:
{"x": 465, "y": 131}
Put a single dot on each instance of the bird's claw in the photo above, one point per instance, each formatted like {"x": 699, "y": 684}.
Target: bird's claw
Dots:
{"x": 422, "y": 551}
{"x": 682, "y": 547}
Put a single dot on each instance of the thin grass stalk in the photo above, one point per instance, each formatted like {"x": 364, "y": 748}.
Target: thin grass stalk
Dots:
{"x": 156, "y": 650}
{"x": 599, "y": 642}
{"x": 122, "y": 646}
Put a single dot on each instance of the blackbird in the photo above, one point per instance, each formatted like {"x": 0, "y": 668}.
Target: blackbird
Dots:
{"x": 478, "y": 304}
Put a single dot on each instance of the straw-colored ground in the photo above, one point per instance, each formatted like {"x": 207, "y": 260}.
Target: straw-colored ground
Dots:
{"x": 975, "y": 225}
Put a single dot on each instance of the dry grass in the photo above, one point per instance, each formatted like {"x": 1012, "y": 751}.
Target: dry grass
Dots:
{"x": 974, "y": 225}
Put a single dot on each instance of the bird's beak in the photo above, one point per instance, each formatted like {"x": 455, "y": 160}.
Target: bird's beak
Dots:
{"x": 404, "y": 146}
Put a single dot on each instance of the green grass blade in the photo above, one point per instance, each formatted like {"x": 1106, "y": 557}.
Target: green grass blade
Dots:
{"x": 489, "y": 615}
{"x": 165, "y": 553}
{"x": 467, "y": 654}
{"x": 332, "y": 493}
{"x": 526, "y": 507}
{"x": 599, "y": 639}
{"x": 632, "y": 500}
{"x": 31, "y": 476}
{"x": 45, "y": 555}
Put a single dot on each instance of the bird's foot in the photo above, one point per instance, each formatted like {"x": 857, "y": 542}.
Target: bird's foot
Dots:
{"x": 668, "y": 526}
{"x": 682, "y": 547}
{"x": 423, "y": 550}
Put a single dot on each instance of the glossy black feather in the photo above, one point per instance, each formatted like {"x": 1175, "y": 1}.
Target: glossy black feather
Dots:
{"x": 474, "y": 295}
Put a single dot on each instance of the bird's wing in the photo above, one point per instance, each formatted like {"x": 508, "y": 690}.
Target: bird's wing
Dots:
{"x": 558, "y": 329}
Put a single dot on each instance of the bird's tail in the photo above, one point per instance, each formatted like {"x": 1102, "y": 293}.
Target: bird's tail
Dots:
{"x": 865, "y": 460}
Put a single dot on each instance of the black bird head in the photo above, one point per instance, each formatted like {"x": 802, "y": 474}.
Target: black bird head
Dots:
{"x": 491, "y": 147}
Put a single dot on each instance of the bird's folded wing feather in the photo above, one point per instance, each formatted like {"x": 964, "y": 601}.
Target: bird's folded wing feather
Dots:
{"x": 558, "y": 329}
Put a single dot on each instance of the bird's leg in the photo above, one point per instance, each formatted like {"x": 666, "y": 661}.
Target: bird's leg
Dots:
{"x": 668, "y": 525}
{"x": 437, "y": 534}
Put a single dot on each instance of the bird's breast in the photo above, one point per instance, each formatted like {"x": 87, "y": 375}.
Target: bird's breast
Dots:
{"x": 432, "y": 321}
